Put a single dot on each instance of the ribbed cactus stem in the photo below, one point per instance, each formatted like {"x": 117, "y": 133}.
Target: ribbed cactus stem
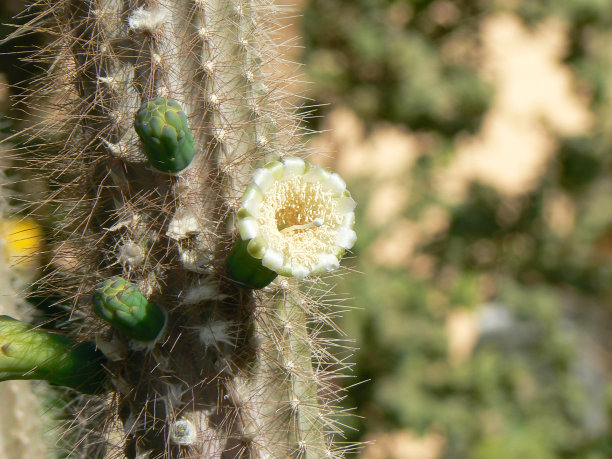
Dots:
{"x": 231, "y": 374}
{"x": 306, "y": 433}
{"x": 238, "y": 97}
{"x": 277, "y": 398}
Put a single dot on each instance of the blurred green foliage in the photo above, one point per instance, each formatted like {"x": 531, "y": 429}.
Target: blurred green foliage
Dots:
{"x": 383, "y": 59}
{"x": 537, "y": 383}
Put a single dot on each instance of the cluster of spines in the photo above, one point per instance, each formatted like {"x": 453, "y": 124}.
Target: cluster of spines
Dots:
{"x": 223, "y": 347}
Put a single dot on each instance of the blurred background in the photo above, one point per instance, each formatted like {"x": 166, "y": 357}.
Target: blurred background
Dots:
{"x": 476, "y": 137}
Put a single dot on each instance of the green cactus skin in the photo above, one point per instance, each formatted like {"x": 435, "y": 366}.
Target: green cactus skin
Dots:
{"x": 31, "y": 353}
{"x": 126, "y": 309}
{"x": 245, "y": 270}
{"x": 162, "y": 126}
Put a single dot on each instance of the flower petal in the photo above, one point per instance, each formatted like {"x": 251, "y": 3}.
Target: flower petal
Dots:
{"x": 336, "y": 183}
{"x": 257, "y": 247}
{"x": 326, "y": 263}
{"x": 248, "y": 227}
{"x": 345, "y": 204}
{"x": 345, "y": 237}
{"x": 348, "y": 219}
{"x": 285, "y": 270}
{"x": 252, "y": 199}
{"x": 317, "y": 174}
{"x": 299, "y": 272}
{"x": 263, "y": 178}
{"x": 272, "y": 260}
{"x": 276, "y": 168}
{"x": 294, "y": 166}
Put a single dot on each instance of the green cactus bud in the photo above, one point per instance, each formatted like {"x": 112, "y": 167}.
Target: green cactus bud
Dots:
{"x": 245, "y": 270}
{"x": 296, "y": 220}
{"x": 32, "y": 353}
{"x": 162, "y": 126}
{"x": 121, "y": 304}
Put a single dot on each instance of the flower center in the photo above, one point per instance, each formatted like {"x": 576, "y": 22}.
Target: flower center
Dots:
{"x": 313, "y": 224}
{"x": 298, "y": 218}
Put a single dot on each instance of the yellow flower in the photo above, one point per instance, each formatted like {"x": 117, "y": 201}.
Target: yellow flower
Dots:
{"x": 22, "y": 240}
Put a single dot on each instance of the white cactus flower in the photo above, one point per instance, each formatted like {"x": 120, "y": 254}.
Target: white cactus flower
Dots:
{"x": 297, "y": 218}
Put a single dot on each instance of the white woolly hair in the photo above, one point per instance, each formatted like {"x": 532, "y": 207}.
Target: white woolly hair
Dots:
{"x": 146, "y": 20}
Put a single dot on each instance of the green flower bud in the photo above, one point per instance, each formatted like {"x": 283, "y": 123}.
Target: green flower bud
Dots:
{"x": 126, "y": 309}
{"x": 32, "y": 353}
{"x": 246, "y": 270}
{"x": 162, "y": 126}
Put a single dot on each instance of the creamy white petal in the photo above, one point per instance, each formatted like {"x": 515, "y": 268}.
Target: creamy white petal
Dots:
{"x": 345, "y": 204}
{"x": 326, "y": 263}
{"x": 348, "y": 219}
{"x": 294, "y": 166}
{"x": 257, "y": 247}
{"x": 272, "y": 260}
{"x": 252, "y": 206}
{"x": 252, "y": 192}
{"x": 252, "y": 199}
{"x": 285, "y": 270}
{"x": 263, "y": 178}
{"x": 299, "y": 272}
{"x": 336, "y": 184}
{"x": 345, "y": 237}
{"x": 276, "y": 168}
{"x": 248, "y": 227}
{"x": 317, "y": 174}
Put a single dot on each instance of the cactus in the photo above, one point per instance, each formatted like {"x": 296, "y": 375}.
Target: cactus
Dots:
{"x": 236, "y": 372}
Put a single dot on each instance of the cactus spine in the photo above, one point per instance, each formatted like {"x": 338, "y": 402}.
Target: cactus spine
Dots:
{"x": 236, "y": 372}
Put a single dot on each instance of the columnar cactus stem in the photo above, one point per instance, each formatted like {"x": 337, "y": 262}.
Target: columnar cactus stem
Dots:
{"x": 229, "y": 371}
{"x": 237, "y": 93}
{"x": 303, "y": 407}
